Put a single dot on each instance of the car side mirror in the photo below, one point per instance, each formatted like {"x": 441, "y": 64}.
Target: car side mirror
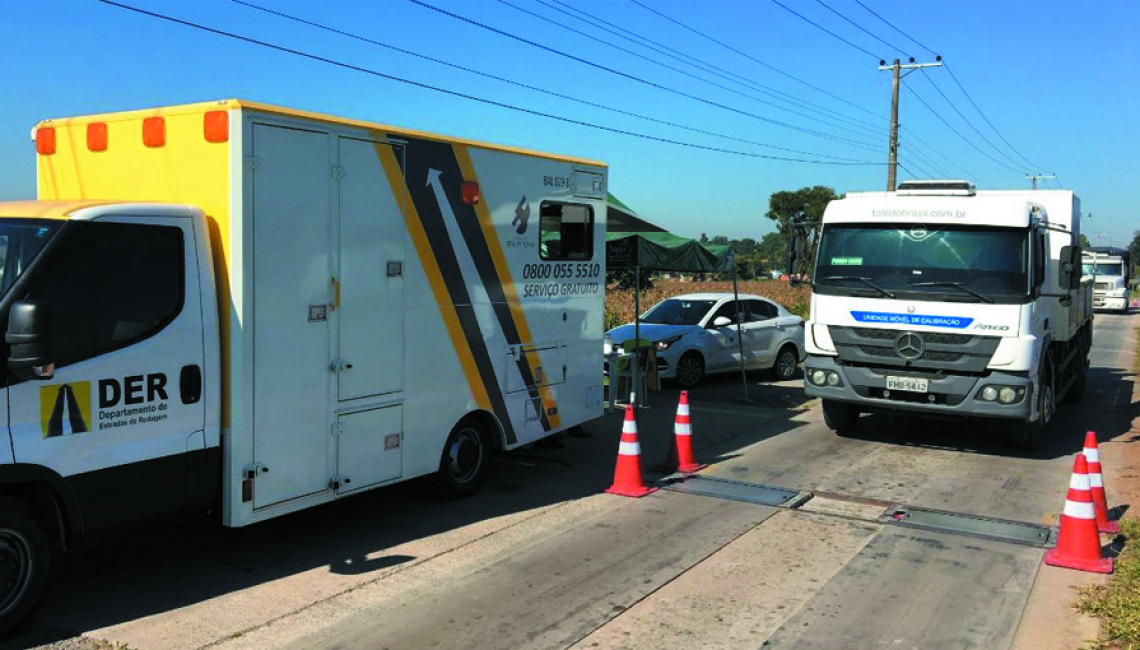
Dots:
{"x": 721, "y": 321}
{"x": 30, "y": 349}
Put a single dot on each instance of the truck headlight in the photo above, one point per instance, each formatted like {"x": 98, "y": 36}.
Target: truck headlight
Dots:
{"x": 664, "y": 344}
{"x": 989, "y": 393}
{"x": 1007, "y": 395}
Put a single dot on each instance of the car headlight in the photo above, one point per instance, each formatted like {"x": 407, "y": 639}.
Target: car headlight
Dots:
{"x": 664, "y": 344}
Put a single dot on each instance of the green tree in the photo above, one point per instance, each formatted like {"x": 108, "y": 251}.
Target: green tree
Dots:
{"x": 772, "y": 251}
{"x": 1084, "y": 242}
{"x": 797, "y": 215}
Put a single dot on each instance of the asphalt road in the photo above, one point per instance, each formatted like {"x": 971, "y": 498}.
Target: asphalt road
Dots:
{"x": 540, "y": 559}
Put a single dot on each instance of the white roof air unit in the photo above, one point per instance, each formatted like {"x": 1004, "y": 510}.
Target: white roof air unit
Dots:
{"x": 936, "y": 188}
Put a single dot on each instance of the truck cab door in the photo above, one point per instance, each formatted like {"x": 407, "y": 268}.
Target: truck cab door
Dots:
{"x": 122, "y": 418}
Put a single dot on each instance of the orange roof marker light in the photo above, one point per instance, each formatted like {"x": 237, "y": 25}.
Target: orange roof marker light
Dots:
{"x": 97, "y": 136}
{"x": 470, "y": 192}
{"x": 216, "y": 126}
{"x": 154, "y": 132}
{"x": 45, "y": 141}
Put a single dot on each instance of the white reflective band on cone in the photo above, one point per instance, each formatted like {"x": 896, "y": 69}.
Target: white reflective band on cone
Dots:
{"x": 1079, "y": 482}
{"x": 684, "y": 429}
{"x": 629, "y": 427}
{"x": 1078, "y": 510}
{"x": 629, "y": 449}
{"x": 1096, "y": 480}
{"x": 1092, "y": 455}
{"x": 683, "y": 409}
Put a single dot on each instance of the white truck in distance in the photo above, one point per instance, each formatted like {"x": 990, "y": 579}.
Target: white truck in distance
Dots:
{"x": 1109, "y": 269}
{"x": 249, "y": 309}
{"x": 945, "y": 301}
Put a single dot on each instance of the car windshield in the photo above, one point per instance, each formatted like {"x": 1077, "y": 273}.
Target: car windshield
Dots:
{"x": 1103, "y": 268}
{"x": 678, "y": 312}
{"x": 20, "y": 241}
{"x": 954, "y": 262}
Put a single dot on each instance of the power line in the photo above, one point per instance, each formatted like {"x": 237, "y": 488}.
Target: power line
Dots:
{"x": 862, "y": 29}
{"x": 527, "y": 86}
{"x": 895, "y": 28}
{"x": 755, "y": 60}
{"x": 631, "y": 77}
{"x": 978, "y": 108}
{"x": 956, "y": 132}
{"x": 693, "y": 76}
{"x": 956, "y": 81}
{"x": 967, "y": 121}
{"x": 821, "y": 27}
{"x": 935, "y": 150}
{"x": 454, "y": 93}
{"x": 701, "y": 64}
{"x": 708, "y": 68}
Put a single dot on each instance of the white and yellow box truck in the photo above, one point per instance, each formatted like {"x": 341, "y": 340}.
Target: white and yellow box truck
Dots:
{"x": 944, "y": 301}
{"x": 254, "y": 308}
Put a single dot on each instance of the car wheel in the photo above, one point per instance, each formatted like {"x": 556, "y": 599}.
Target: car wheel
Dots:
{"x": 465, "y": 460}
{"x": 787, "y": 362}
{"x": 690, "y": 370}
{"x": 840, "y": 416}
{"x": 25, "y": 560}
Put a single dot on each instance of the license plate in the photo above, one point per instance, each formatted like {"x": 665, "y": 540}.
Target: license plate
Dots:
{"x": 910, "y": 384}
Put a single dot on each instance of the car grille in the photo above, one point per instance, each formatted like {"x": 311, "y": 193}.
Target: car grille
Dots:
{"x": 943, "y": 351}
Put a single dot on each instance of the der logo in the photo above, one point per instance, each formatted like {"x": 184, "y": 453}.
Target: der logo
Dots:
{"x": 522, "y": 215}
{"x": 65, "y": 409}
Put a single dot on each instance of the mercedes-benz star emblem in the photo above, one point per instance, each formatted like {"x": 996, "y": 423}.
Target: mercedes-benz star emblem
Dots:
{"x": 910, "y": 346}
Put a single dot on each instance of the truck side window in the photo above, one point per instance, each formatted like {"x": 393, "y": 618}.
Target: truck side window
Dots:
{"x": 110, "y": 285}
{"x": 566, "y": 231}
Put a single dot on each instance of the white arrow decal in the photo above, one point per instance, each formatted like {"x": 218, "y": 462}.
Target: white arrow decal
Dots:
{"x": 440, "y": 196}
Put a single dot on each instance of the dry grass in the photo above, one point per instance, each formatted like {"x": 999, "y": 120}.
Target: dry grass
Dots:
{"x": 619, "y": 303}
{"x": 1117, "y": 604}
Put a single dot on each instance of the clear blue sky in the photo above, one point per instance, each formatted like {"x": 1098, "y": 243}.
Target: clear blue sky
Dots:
{"x": 1057, "y": 79}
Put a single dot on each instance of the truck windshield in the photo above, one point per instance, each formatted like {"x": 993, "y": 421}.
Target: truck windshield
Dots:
{"x": 678, "y": 312}
{"x": 958, "y": 263}
{"x": 1103, "y": 268}
{"x": 20, "y": 241}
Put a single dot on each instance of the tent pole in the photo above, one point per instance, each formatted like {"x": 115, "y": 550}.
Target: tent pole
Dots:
{"x": 739, "y": 336}
{"x": 635, "y": 382}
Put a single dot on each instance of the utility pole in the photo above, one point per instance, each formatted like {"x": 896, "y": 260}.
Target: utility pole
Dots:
{"x": 893, "y": 158}
{"x": 1034, "y": 178}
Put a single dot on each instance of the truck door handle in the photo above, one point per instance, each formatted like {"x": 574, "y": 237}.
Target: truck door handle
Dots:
{"x": 190, "y": 384}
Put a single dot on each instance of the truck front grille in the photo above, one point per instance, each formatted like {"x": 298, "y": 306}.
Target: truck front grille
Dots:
{"x": 942, "y": 351}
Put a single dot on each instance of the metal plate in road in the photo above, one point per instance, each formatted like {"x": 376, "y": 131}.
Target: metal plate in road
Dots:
{"x": 1001, "y": 530}
{"x": 766, "y": 495}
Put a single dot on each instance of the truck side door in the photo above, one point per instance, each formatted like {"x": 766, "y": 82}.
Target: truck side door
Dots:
{"x": 122, "y": 419}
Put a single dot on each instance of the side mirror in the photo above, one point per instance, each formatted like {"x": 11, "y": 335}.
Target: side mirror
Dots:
{"x": 1075, "y": 276}
{"x": 721, "y": 321}
{"x": 1065, "y": 269}
{"x": 793, "y": 245}
{"x": 29, "y": 340}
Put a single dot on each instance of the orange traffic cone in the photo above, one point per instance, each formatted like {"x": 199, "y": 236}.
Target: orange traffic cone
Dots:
{"x": 1078, "y": 545}
{"x": 681, "y": 456}
{"x": 627, "y": 475}
{"x": 1096, "y": 482}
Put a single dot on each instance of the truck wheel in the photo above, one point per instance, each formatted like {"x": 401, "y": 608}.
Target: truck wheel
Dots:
{"x": 690, "y": 370}
{"x": 1031, "y": 435}
{"x": 466, "y": 459}
{"x": 25, "y": 563}
{"x": 840, "y": 416}
{"x": 786, "y": 363}
{"x": 1077, "y": 390}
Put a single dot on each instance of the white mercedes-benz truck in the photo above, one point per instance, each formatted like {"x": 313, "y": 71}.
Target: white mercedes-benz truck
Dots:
{"x": 940, "y": 300}
{"x": 1109, "y": 269}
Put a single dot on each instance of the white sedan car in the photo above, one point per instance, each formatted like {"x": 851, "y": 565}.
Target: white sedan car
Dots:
{"x": 696, "y": 334}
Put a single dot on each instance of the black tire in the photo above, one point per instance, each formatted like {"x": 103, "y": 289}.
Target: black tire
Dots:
{"x": 26, "y": 559}
{"x": 465, "y": 460}
{"x": 690, "y": 370}
{"x": 1031, "y": 435}
{"x": 1077, "y": 390}
{"x": 840, "y": 416}
{"x": 786, "y": 364}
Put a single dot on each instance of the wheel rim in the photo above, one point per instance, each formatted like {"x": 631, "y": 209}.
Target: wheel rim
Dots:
{"x": 688, "y": 371}
{"x": 465, "y": 455}
{"x": 1048, "y": 404}
{"x": 787, "y": 364}
{"x": 15, "y": 568}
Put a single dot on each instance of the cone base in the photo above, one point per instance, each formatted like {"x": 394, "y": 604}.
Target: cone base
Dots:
{"x": 635, "y": 492}
{"x": 1111, "y": 528}
{"x": 1098, "y": 565}
{"x": 689, "y": 469}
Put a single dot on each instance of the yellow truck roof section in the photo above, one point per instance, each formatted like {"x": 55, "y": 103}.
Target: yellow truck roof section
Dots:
{"x": 229, "y": 104}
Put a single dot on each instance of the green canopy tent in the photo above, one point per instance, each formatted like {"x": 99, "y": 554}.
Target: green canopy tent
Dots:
{"x": 634, "y": 243}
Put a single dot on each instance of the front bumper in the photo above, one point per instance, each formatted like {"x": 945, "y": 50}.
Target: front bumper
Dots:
{"x": 1115, "y": 303}
{"x": 949, "y": 395}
